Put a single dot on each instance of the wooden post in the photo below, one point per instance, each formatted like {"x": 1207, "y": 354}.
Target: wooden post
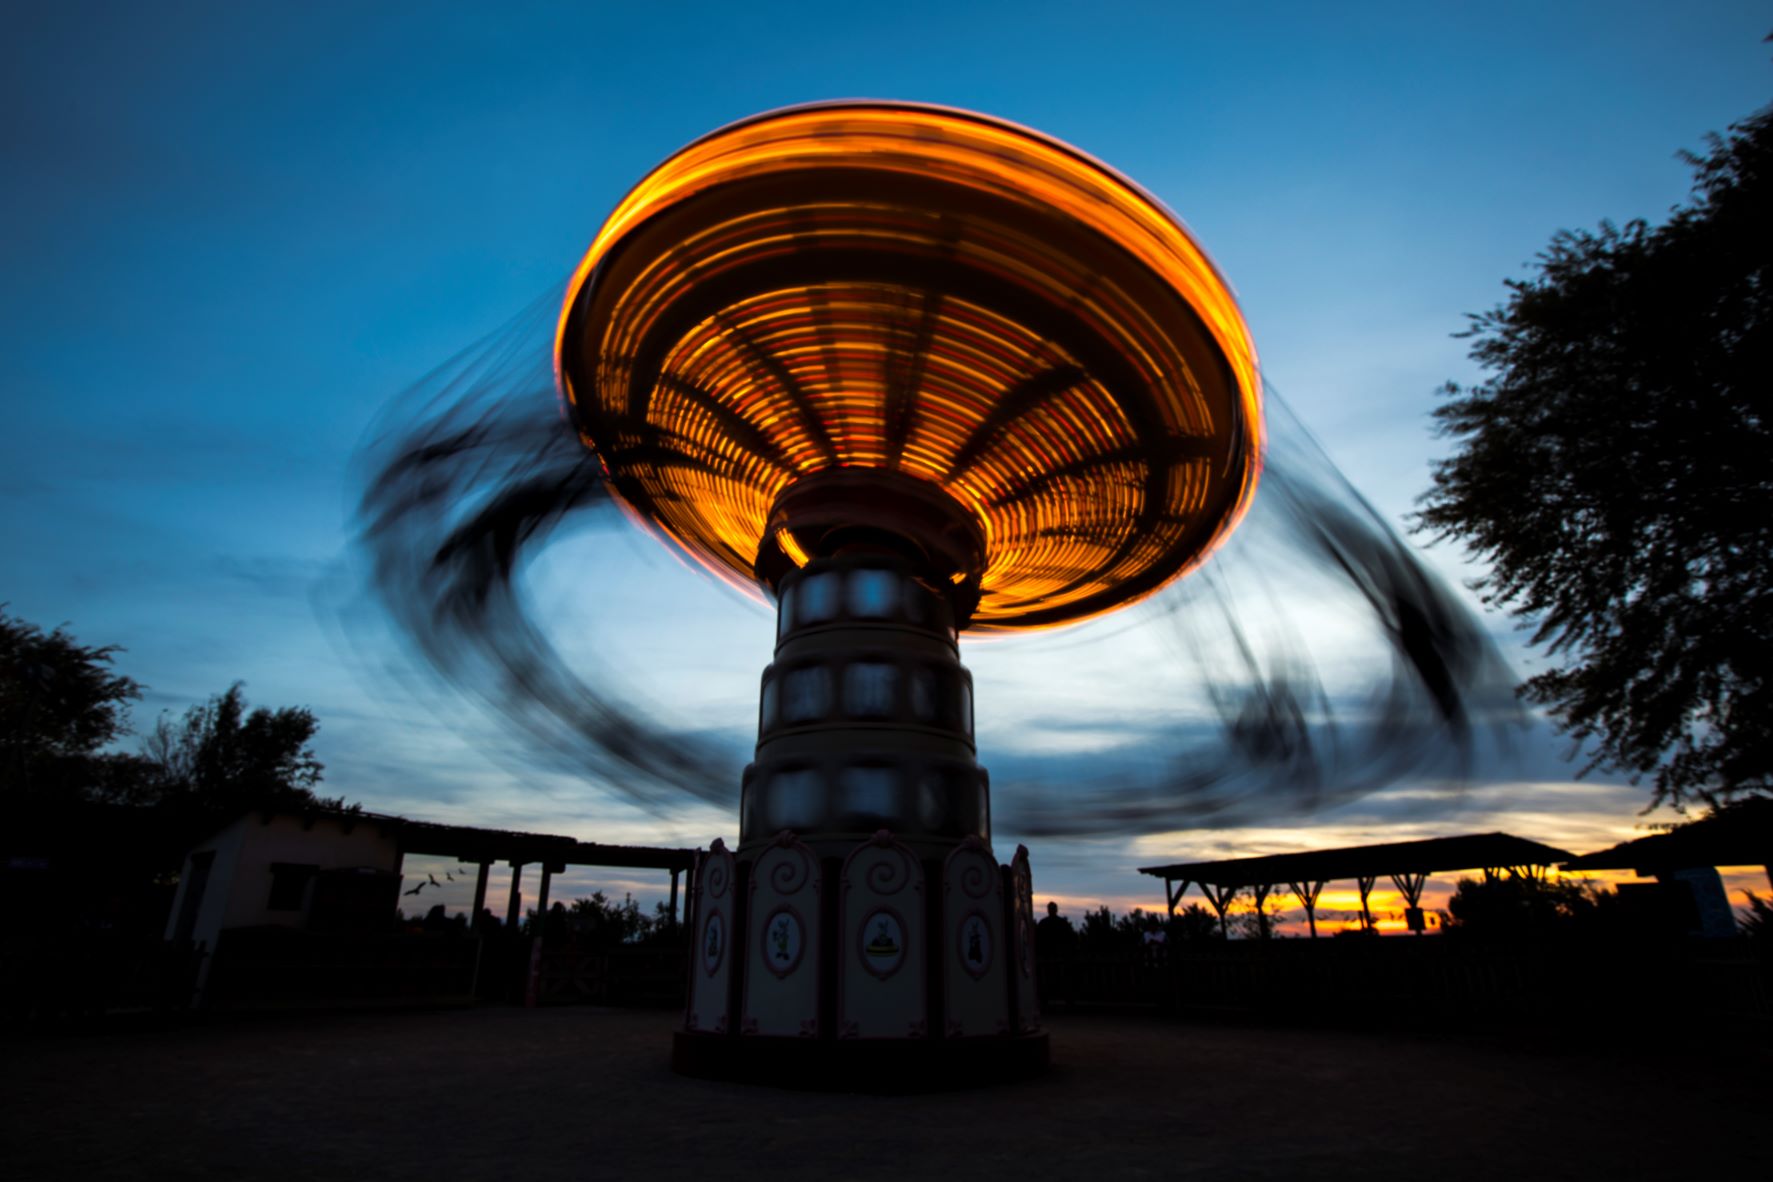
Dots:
{"x": 514, "y": 908}
{"x": 542, "y": 896}
{"x": 1308, "y": 893}
{"x": 479, "y": 897}
{"x": 1220, "y": 897}
{"x": 674, "y": 874}
{"x": 1173, "y": 897}
{"x": 1410, "y": 885}
{"x": 1261, "y": 894}
{"x": 692, "y": 897}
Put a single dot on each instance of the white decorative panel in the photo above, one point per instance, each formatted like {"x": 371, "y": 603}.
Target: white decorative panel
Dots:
{"x": 782, "y": 957}
{"x": 881, "y": 971}
{"x": 973, "y": 945}
{"x": 711, "y": 960}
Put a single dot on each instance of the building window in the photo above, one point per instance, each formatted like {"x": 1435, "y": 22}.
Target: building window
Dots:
{"x": 289, "y": 885}
{"x": 196, "y": 882}
{"x": 872, "y": 593}
{"x": 806, "y": 694}
{"x": 923, "y": 693}
{"x": 795, "y": 798}
{"x": 816, "y": 598}
{"x": 771, "y": 704}
{"x": 869, "y": 688}
{"x": 870, "y": 793}
{"x": 784, "y": 612}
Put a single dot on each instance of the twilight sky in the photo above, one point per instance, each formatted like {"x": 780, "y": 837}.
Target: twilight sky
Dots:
{"x": 237, "y": 230}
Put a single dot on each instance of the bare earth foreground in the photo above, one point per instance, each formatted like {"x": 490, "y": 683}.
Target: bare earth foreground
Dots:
{"x": 585, "y": 1093}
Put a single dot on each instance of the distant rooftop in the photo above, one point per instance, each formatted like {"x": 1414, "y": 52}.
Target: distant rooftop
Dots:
{"x": 1430, "y": 856}
{"x": 1740, "y": 834}
{"x": 468, "y": 843}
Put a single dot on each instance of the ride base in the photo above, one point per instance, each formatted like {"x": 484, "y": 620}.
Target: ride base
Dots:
{"x": 874, "y": 972}
{"x": 864, "y": 936}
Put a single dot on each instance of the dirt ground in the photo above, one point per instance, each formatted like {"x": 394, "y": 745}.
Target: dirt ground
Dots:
{"x": 508, "y": 1094}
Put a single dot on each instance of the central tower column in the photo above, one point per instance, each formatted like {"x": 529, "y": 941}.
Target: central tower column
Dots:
{"x": 866, "y": 721}
{"x": 864, "y": 933}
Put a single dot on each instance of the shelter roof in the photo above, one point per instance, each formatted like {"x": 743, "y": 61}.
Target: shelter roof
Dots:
{"x": 1737, "y": 835}
{"x": 469, "y": 843}
{"x": 1429, "y": 856}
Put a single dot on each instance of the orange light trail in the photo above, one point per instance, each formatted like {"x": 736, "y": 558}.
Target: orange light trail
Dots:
{"x": 929, "y": 291}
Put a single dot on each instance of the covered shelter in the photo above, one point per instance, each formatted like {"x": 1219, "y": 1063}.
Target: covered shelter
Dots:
{"x": 552, "y": 853}
{"x": 1407, "y": 863}
{"x": 305, "y": 867}
{"x": 1685, "y": 861}
{"x": 296, "y": 905}
{"x": 1740, "y": 834}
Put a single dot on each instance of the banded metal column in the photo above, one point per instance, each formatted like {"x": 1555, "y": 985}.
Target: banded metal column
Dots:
{"x": 866, "y": 720}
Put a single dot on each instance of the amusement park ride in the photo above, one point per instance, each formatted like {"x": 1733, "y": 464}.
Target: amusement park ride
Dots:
{"x": 914, "y": 372}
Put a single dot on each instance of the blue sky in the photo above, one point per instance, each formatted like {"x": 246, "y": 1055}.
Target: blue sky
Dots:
{"x": 235, "y": 231}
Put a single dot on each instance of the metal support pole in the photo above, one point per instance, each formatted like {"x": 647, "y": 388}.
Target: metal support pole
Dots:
{"x": 674, "y": 874}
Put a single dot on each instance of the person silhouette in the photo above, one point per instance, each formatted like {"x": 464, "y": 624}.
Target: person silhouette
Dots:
{"x": 1053, "y": 942}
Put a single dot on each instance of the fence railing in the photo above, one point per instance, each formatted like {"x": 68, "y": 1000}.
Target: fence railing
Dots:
{"x": 1431, "y": 980}
{"x": 615, "y": 977}
{"x": 269, "y": 966}
{"x": 90, "y": 975}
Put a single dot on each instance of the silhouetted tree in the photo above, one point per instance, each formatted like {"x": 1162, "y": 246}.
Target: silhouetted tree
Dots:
{"x": 220, "y": 759}
{"x": 1511, "y": 908}
{"x": 599, "y": 922}
{"x": 1756, "y": 920}
{"x": 1194, "y": 922}
{"x": 1254, "y": 925}
{"x": 60, "y": 704}
{"x": 1613, "y": 470}
{"x": 1102, "y": 935}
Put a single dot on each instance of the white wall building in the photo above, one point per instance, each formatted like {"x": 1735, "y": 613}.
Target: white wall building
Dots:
{"x": 280, "y": 869}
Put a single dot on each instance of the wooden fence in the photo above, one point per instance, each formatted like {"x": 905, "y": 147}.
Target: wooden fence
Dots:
{"x": 1429, "y": 981}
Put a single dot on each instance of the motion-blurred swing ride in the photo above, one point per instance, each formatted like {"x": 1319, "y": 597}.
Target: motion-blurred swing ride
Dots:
{"x": 913, "y": 374}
